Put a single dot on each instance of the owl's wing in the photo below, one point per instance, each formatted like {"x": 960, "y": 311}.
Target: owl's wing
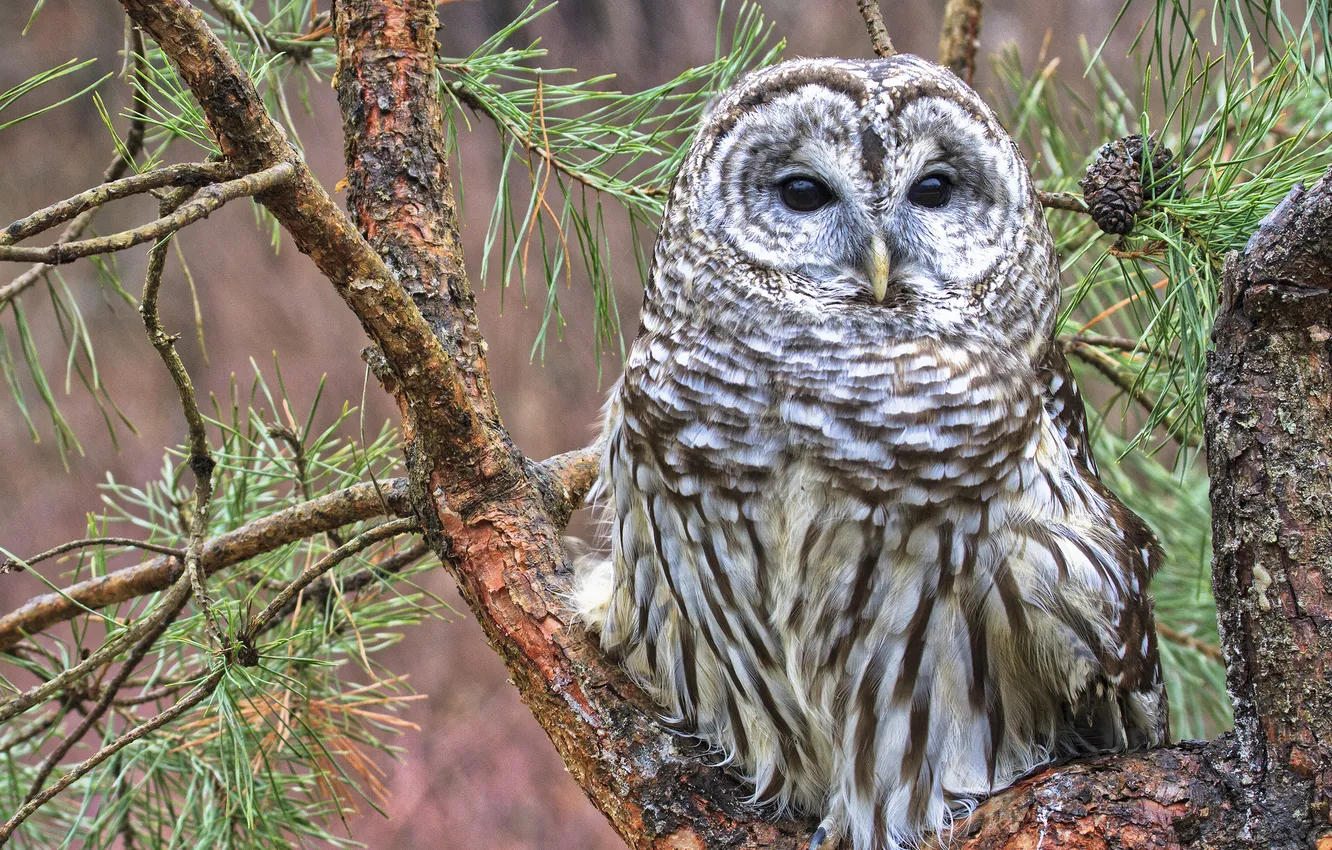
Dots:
{"x": 1064, "y": 404}
{"x": 1134, "y": 710}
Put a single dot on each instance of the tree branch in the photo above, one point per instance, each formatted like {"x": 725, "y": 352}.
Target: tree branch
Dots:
{"x": 568, "y": 475}
{"x": 1066, "y": 201}
{"x": 435, "y": 393}
{"x": 961, "y": 37}
{"x": 335, "y": 510}
{"x": 181, "y": 174}
{"x": 200, "y": 458}
{"x": 878, "y": 33}
{"x": 201, "y": 206}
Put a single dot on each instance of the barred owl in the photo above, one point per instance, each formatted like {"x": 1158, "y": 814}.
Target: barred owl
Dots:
{"x": 858, "y": 543}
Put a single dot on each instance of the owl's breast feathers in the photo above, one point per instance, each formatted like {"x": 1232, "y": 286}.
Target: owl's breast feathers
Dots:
{"x": 881, "y": 575}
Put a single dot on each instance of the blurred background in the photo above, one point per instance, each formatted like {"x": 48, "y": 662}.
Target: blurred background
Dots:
{"x": 479, "y": 773}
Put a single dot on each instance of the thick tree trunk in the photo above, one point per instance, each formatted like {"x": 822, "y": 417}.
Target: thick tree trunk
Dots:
{"x": 1269, "y": 451}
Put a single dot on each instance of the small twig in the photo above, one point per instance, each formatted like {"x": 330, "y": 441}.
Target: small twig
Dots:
{"x": 194, "y": 697}
{"x": 878, "y": 33}
{"x": 1119, "y": 305}
{"x": 124, "y": 791}
{"x": 1067, "y": 201}
{"x": 37, "y": 728}
{"x": 1202, "y": 647}
{"x": 151, "y": 696}
{"x": 201, "y": 456}
{"x": 961, "y": 37}
{"x": 8, "y": 564}
{"x": 201, "y": 206}
{"x": 316, "y": 593}
{"x": 260, "y": 33}
{"x": 288, "y": 434}
{"x": 90, "y": 718}
{"x": 275, "y": 606}
{"x": 118, "y": 166}
{"x": 181, "y": 174}
{"x": 103, "y": 655}
{"x": 240, "y": 19}
{"x": 1121, "y": 343}
{"x": 1102, "y": 363}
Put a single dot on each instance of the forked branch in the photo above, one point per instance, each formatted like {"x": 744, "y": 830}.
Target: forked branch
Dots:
{"x": 206, "y": 201}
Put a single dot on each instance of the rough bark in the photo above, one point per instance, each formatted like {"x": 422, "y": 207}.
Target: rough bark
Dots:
{"x": 960, "y": 37}
{"x": 494, "y": 517}
{"x": 1269, "y": 452}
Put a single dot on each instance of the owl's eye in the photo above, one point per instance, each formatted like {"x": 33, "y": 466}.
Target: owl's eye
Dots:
{"x": 804, "y": 194}
{"x": 932, "y": 190}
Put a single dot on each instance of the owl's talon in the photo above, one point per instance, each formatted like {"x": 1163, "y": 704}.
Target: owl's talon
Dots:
{"x": 828, "y": 836}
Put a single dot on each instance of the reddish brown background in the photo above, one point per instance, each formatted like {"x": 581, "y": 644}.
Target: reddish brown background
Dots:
{"x": 479, "y": 774}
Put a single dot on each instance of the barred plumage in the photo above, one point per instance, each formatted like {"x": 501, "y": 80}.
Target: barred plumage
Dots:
{"x": 858, "y": 543}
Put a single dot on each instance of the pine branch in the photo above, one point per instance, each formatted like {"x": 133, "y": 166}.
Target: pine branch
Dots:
{"x": 181, "y": 174}
{"x": 200, "y": 692}
{"x": 565, "y": 478}
{"x": 278, "y": 604}
{"x": 354, "y": 504}
{"x": 120, "y": 163}
{"x": 206, "y": 201}
{"x": 201, "y": 461}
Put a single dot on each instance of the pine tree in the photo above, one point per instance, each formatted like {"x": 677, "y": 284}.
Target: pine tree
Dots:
{"x": 215, "y": 681}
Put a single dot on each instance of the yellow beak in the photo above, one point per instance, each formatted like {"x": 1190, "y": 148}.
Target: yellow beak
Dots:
{"x": 879, "y": 268}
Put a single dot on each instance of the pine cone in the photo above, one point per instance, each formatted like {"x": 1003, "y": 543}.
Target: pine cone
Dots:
{"x": 1163, "y": 173}
{"x": 1113, "y": 186}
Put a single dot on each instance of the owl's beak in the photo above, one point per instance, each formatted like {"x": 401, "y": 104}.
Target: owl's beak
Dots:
{"x": 879, "y": 267}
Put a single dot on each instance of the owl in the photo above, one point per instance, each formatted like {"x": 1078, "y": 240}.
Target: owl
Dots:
{"x": 858, "y": 544}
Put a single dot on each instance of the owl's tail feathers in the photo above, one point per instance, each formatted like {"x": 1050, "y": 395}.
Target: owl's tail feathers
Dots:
{"x": 594, "y": 580}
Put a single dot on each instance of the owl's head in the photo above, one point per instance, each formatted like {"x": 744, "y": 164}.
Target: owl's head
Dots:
{"x": 884, "y": 191}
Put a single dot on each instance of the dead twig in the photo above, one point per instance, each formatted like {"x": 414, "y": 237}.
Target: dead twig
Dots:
{"x": 207, "y": 200}
{"x": 181, "y": 174}
{"x": 878, "y": 33}
{"x": 9, "y": 563}
{"x": 1062, "y": 201}
{"x": 201, "y": 461}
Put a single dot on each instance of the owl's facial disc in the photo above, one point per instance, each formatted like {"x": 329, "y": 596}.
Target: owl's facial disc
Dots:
{"x": 884, "y": 186}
